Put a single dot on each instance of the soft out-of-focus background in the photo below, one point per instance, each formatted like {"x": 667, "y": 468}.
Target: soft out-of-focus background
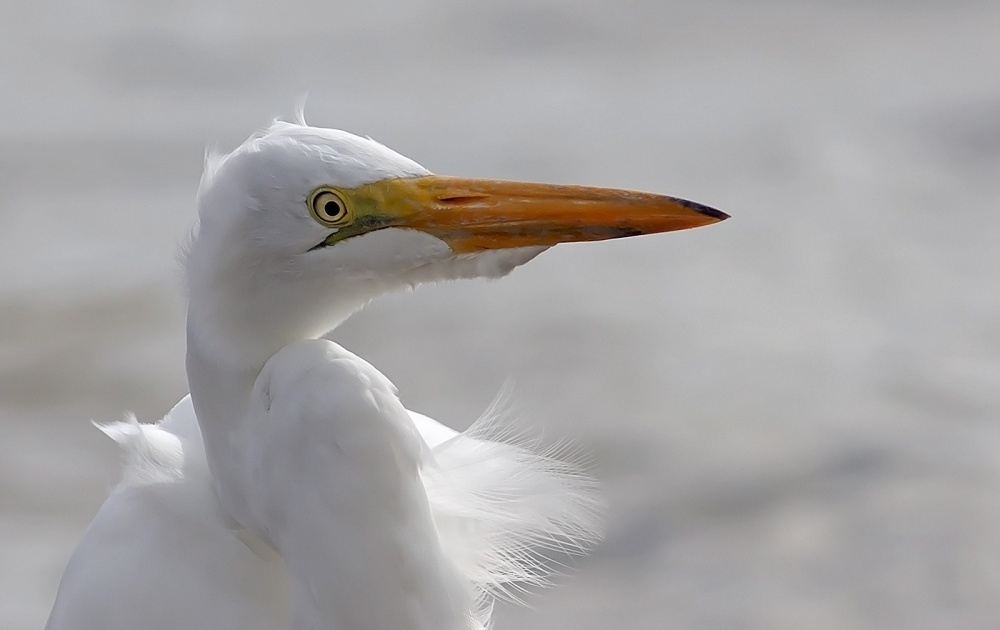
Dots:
{"x": 796, "y": 414}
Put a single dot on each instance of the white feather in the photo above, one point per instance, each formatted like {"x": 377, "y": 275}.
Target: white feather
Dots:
{"x": 506, "y": 506}
{"x": 151, "y": 454}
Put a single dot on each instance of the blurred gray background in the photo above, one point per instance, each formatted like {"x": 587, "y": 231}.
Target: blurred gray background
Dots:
{"x": 795, "y": 414}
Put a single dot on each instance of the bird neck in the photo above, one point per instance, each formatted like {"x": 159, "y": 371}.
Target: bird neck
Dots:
{"x": 225, "y": 355}
{"x": 235, "y": 324}
{"x": 220, "y": 391}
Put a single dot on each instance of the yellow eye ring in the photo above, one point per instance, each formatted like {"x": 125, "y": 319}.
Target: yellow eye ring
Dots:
{"x": 329, "y": 207}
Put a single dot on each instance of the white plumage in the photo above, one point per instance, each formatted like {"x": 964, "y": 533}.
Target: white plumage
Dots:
{"x": 161, "y": 553}
{"x": 292, "y": 489}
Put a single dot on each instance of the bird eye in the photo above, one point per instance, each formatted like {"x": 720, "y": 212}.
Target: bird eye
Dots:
{"x": 328, "y": 207}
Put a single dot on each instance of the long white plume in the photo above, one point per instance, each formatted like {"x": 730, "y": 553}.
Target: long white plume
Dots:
{"x": 507, "y": 507}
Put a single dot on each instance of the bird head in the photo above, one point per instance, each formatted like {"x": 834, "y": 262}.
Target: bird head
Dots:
{"x": 301, "y": 226}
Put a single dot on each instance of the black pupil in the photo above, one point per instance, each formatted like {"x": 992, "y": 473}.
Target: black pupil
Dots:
{"x": 332, "y": 208}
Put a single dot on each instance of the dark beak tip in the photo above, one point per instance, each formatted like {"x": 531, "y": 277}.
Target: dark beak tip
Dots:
{"x": 708, "y": 211}
{"x": 715, "y": 214}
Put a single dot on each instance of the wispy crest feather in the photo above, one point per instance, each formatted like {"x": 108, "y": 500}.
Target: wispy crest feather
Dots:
{"x": 300, "y": 110}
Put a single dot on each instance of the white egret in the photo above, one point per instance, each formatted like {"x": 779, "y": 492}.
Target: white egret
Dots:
{"x": 292, "y": 489}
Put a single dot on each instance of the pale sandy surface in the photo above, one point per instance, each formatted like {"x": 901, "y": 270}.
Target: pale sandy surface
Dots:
{"x": 796, "y": 413}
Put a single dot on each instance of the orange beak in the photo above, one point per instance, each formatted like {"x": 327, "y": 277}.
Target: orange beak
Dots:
{"x": 477, "y": 214}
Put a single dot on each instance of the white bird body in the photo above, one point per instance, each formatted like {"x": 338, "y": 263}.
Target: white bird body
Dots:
{"x": 161, "y": 553}
{"x": 293, "y": 489}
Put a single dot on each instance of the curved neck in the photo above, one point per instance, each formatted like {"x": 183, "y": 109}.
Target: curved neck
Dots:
{"x": 220, "y": 391}
{"x": 426, "y": 593}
